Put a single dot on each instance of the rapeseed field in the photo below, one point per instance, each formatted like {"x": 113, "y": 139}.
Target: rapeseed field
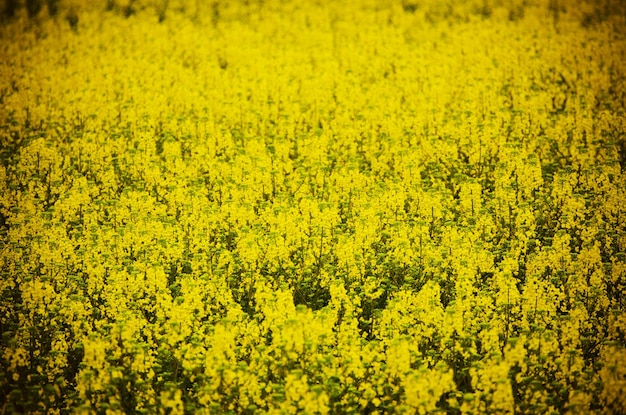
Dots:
{"x": 316, "y": 206}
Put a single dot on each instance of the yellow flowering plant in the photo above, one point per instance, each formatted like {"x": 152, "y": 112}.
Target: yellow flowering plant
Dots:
{"x": 312, "y": 207}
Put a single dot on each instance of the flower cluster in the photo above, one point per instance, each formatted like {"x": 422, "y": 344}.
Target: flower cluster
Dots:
{"x": 312, "y": 207}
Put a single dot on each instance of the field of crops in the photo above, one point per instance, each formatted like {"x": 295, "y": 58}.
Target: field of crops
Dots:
{"x": 284, "y": 206}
